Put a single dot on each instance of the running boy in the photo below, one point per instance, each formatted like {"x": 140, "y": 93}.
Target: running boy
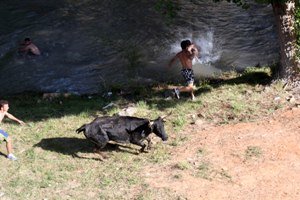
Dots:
{"x": 3, "y": 135}
{"x": 186, "y": 55}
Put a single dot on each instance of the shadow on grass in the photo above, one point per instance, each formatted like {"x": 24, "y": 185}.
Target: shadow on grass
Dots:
{"x": 250, "y": 78}
{"x": 2, "y": 154}
{"x": 31, "y": 107}
{"x": 73, "y": 146}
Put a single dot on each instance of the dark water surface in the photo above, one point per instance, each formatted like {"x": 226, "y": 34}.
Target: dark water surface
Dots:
{"x": 88, "y": 45}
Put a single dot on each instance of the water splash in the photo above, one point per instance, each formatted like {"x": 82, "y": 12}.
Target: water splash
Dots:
{"x": 210, "y": 51}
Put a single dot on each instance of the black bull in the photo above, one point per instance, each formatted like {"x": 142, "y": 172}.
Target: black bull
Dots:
{"x": 123, "y": 129}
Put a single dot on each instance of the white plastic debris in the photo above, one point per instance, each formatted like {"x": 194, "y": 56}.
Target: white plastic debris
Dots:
{"x": 108, "y": 105}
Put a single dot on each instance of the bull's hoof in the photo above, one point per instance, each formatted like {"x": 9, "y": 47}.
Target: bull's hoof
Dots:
{"x": 143, "y": 151}
{"x": 103, "y": 156}
{"x": 95, "y": 150}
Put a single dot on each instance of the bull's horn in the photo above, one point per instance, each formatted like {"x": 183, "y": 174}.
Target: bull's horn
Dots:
{"x": 151, "y": 123}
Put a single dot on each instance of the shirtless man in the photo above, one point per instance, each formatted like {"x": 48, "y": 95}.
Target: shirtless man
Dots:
{"x": 186, "y": 55}
{"x": 28, "y": 47}
{"x": 3, "y": 135}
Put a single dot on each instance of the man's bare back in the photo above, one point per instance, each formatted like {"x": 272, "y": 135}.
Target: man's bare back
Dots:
{"x": 186, "y": 57}
{"x": 32, "y": 49}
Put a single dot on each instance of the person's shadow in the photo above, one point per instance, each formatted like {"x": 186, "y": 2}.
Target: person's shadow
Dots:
{"x": 2, "y": 154}
{"x": 73, "y": 146}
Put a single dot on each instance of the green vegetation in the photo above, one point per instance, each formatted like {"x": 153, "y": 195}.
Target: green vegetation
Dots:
{"x": 56, "y": 163}
{"x": 253, "y": 152}
{"x": 133, "y": 58}
{"x": 182, "y": 166}
{"x": 204, "y": 170}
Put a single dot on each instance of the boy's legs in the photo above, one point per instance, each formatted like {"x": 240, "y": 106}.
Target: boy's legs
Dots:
{"x": 9, "y": 145}
{"x": 189, "y": 88}
{"x": 9, "y": 148}
{"x": 188, "y": 75}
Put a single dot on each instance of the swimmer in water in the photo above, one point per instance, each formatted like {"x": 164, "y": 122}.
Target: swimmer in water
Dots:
{"x": 28, "y": 47}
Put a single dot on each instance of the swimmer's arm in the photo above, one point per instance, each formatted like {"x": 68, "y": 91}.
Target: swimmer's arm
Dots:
{"x": 21, "y": 48}
{"x": 24, "y": 49}
{"x": 173, "y": 60}
{"x": 192, "y": 49}
{"x": 10, "y": 116}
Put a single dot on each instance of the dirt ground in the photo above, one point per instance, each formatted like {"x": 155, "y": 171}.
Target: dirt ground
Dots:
{"x": 254, "y": 160}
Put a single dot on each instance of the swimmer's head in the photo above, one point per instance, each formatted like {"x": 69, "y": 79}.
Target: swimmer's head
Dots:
{"x": 27, "y": 41}
{"x": 185, "y": 43}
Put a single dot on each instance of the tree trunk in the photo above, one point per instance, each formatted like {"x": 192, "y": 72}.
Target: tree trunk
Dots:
{"x": 289, "y": 65}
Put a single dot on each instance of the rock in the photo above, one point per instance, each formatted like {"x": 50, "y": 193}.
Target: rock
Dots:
{"x": 277, "y": 98}
{"x": 249, "y": 92}
{"x": 291, "y": 99}
{"x": 130, "y": 111}
{"x": 107, "y": 95}
{"x": 168, "y": 98}
{"x": 199, "y": 122}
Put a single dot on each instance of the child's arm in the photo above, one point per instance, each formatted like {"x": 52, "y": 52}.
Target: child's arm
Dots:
{"x": 10, "y": 116}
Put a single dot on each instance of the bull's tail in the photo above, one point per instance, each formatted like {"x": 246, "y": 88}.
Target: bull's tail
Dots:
{"x": 82, "y": 128}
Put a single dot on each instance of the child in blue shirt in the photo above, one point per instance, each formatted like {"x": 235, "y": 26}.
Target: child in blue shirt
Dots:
{"x": 3, "y": 135}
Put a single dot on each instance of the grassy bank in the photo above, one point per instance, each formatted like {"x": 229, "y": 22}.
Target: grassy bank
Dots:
{"x": 56, "y": 163}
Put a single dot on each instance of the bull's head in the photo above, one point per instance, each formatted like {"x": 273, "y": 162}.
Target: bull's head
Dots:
{"x": 158, "y": 128}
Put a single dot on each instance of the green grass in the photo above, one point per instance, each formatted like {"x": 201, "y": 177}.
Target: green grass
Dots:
{"x": 204, "y": 170}
{"x": 253, "y": 152}
{"x": 56, "y": 163}
{"x": 182, "y": 165}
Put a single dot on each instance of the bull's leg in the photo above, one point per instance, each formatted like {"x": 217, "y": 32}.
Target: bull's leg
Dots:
{"x": 138, "y": 138}
{"x": 143, "y": 148}
{"x": 103, "y": 155}
{"x": 100, "y": 139}
{"x": 140, "y": 143}
{"x": 148, "y": 139}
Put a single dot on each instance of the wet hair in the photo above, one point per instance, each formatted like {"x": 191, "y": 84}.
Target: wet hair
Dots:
{"x": 27, "y": 40}
{"x": 2, "y": 103}
{"x": 185, "y": 43}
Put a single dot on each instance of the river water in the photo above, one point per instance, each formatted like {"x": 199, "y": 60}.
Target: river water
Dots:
{"x": 89, "y": 45}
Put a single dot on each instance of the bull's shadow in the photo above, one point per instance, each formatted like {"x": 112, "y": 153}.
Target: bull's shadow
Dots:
{"x": 73, "y": 146}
